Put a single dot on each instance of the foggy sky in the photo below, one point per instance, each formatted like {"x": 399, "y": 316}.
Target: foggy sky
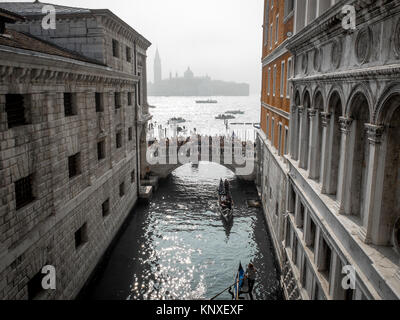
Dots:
{"x": 221, "y": 38}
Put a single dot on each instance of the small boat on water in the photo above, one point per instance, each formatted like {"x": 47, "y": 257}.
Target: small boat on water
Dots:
{"x": 225, "y": 117}
{"x": 235, "y": 112}
{"x": 225, "y": 201}
{"x": 206, "y": 101}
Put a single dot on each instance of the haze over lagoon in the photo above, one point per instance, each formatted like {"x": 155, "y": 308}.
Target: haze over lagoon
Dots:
{"x": 219, "y": 38}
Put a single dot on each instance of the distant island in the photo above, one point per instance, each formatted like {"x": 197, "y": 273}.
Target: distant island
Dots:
{"x": 189, "y": 85}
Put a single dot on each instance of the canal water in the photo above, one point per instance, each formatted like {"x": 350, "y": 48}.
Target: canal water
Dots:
{"x": 178, "y": 248}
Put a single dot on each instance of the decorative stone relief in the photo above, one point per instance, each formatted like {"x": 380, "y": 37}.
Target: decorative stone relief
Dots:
{"x": 363, "y": 45}
{"x": 375, "y": 133}
{"x": 336, "y": 53}
{"x": 345, "y": 124}
{"x": 326, "y": 118}
{"x": 317, "y": 59}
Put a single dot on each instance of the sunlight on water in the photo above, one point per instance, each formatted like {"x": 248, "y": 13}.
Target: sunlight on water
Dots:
{"x": 179, "y": 248}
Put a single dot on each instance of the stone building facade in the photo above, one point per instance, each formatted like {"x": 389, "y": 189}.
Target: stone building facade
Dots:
{"x": 73, "y": 113}
{"x": 344, "y": 166}
{"x": 273, "y": 137}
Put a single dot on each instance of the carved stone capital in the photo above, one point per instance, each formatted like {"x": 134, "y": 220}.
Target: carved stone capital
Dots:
{"x": 300, "y": 109}
{"x": 374, "y": 133}
{"x": 345, "y": 124}
{"x": 312, "y": 113}
{"x": 325, "y": 118}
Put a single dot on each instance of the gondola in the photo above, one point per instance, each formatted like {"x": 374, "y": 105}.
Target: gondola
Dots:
{"x": 240, "y": 287}
{"x": 225, "y": 201}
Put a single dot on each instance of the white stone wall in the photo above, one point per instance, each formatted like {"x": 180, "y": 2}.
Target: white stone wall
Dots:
{"x": 42, "y": 233}
{"x": 344, "y": 116}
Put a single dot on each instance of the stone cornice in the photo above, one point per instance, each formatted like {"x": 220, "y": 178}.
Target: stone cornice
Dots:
{"x": 43, "y": 69}
{"x": 371, "y": 73}
{"x": 282, "y": 113}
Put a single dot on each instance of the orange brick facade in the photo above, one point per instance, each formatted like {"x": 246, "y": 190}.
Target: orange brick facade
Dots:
{"x": 273, "y": 43}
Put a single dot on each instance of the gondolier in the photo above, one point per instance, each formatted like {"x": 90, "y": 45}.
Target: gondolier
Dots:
{"x": 251, "y": 278}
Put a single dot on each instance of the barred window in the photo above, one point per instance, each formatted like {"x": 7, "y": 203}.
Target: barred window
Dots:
{"x": 69, "y": 105}
{"x": 101, "y": 150}
{"x": 35, "y": 287}
{"x": 119, "y": 140}
{"x": 117, "y": 100}
{"x": 115, "y": 48}
{"x": 15, "y": 109}
{"x": 128, "y": 54}
{"x": 130, "y": 134}
{"x": 122, "y": 189}
{"x": 74, "y": 165}
{"x": 129, "y": 98}
{"x": 99, "y": 102}
{"x": 23, "y": 192}
{"x": 106, "y": 208}
{"x": 81, "y": 236}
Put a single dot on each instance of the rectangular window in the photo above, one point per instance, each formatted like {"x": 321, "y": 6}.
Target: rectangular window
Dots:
{"x": 276, "y": 29}
{"x": 128, "y": 54}
{"x": 269, "y": 81}
{"x": 286, "y": 141}
{"x": 130, "y": 134}
{"x": 23, "y": 192}
{"x": 16, "y": 109}
{"x": 312, "y": 231}
{"x": 81, "y": 236}
{"x": 101, "y": 150}
{"x": 119, "y": 139}
{"x": 115, "y": 48}
{"x": 129, "y": 98}
{"x": 122, "y": 189}
{"x": 99, "y": 102}
{"x": 35, "y": 287}
{"x": 133, "y": 176}
{"x": 69, "y": 105}
{"x": 271, "y": 35}
{"x": 117, "y": 100}
{"x": 301, "y": 217}
{"x": 280, "y": 139}
{"x": 74, "y": 165}
{"x": 274, "y": 81}
{"x": 288, "y": 77}
{"x": 273, "y": 131}
{"x": 282, "y": 79}
{"x": 267, "y": 126}
{"x": 105, "y": 208}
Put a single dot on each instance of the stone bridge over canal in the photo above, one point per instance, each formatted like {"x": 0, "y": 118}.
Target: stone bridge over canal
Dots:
{"x": 168, "y": 155}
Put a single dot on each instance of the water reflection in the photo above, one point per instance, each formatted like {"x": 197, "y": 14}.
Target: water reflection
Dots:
{"x": 179, "y": 247}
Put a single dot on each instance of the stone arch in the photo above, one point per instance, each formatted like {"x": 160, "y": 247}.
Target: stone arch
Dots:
{"x": 296, "y": 125}
{"x": 305, "y": 130}
{"x": 360, "y": 90}
{"x": 358, "y": 149}
{"x": 335, "y": 108}
{"x": 390, "y": 205}
{"x": 306, "y": 94}
{"x": 336, "y": 91}
{"x": 318, "y": 94}
{"x": 384, "y": 110}
{"x": 319, "y": 106}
